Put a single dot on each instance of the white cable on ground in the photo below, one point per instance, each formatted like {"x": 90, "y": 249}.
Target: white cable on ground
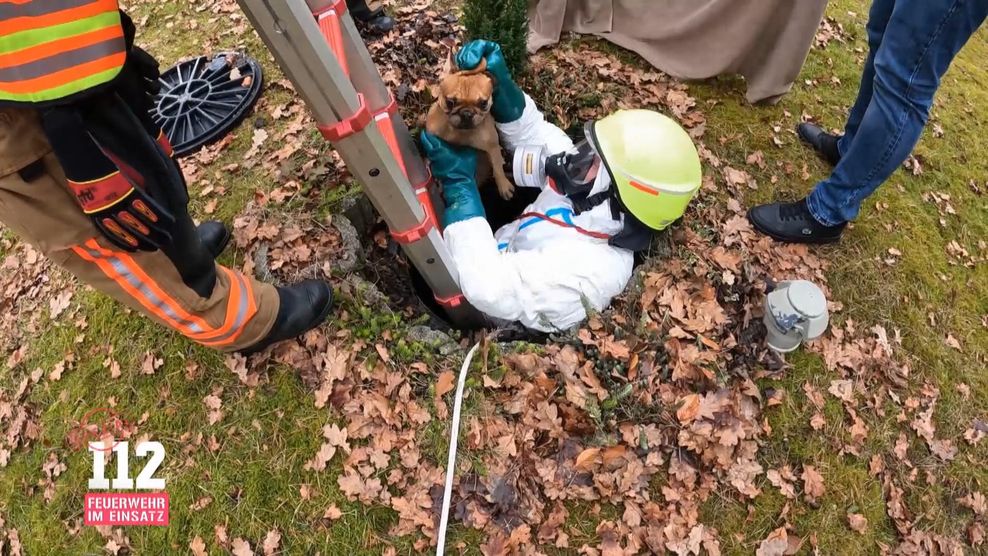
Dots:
{"x": 451, "y": 460}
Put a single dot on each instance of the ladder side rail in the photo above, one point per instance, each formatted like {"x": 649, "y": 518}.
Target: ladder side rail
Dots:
{"x": 291, "y": 33}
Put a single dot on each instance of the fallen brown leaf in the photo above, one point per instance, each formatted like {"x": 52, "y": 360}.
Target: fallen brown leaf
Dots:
{"x": 776, "y": 544}
{"x": 272, "y": 541}
{"x": 197, "y": 546}
{"x": 813, "y": 486}
{"x": 857, "y": 522}
{"x": 332, "y": 513}
{"x": 241, "y": 547}
{"x": 444, "y": 384}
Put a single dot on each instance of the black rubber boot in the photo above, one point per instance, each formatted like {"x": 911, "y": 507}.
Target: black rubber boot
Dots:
{"x": 302, "y": 307}
{"x": 792, "y": 223}
{"x": 825, "y": 144}
{"x": 376, "y": 21}
{"x": 214, "y": 236}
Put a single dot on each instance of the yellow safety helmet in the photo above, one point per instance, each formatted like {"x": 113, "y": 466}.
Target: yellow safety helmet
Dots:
{"x": 652, "y": 161}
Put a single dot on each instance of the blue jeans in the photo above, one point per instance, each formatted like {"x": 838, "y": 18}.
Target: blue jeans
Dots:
{"x": 911, "y": 45}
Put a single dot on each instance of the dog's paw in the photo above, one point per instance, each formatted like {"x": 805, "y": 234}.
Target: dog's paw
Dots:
{"x": 506, "y": 192}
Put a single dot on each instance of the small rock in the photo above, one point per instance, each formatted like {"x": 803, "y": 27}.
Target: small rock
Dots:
{"x": 352, "y": 252}
{"x": 441, "y": 340}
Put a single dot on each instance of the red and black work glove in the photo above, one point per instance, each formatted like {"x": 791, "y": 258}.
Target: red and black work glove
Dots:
{"x": 125, "y": 214}
{"x": 122, "y": 210}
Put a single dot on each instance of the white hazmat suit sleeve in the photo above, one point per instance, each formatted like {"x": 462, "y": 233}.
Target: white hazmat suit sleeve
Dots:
{"x": 532, "y": 129}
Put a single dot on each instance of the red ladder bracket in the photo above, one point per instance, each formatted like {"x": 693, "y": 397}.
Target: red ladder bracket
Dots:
{"x": 421, "y": 191}
{"x": 450, "y": 302}
{"x": 338, "y": 8}
{"x": 391, "y": 109}
{"x": 347, "y": 127}
{"x": 417, "y": 232}
{"x": 328, "y": 19}
{"x": 428, "y": 221}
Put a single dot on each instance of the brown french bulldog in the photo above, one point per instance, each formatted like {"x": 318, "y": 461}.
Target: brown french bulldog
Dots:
{"x": 461, "y": 116}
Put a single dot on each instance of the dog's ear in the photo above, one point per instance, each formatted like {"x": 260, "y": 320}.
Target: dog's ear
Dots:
{"x": 492, "y": 78}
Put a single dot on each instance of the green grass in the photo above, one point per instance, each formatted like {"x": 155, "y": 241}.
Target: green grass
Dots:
{"x": 268, "y": 433}
{"x": 898, "y": 297}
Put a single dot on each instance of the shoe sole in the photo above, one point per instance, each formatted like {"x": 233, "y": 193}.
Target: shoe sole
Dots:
{"x": 783, "y": 239}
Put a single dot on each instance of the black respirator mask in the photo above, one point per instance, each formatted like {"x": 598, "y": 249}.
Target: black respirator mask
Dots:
{"x": 575, "y": 173}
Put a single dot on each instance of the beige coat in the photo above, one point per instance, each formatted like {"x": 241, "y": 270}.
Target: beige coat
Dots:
{"x": 766, "y": 41}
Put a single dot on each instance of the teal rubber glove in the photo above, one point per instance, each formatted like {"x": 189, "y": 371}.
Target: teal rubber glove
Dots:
{"x": 455, "y": 168}
{"x": 509, "y": 100}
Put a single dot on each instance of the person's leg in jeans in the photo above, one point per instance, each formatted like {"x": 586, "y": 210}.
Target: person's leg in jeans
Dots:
{"x": 921, "y": 40}
{"x": 831, "y": 146}
{"x": 878, "y": 20}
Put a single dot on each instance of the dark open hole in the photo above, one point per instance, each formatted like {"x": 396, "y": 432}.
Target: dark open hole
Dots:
{"x": 499, "y": 213}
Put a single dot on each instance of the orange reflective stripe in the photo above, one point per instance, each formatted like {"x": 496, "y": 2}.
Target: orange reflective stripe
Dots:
{"x": 147, "y": 281}
{"x": 240, "y": 304}
{"x": 53, "y": 48}
{"x": 643, "y": 188}
{"x": 65, "y": 76}
{"x": 329, "y": 24}
{"x": 240, "y": 309}
{"x": 251, "y": 308}
{"x": 18, "y": 24}
{"x": 112, "y": 274}
{"x": 124, "y": 270}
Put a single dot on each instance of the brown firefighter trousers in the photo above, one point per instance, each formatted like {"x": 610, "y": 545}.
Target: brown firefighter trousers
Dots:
{"x": 36, "y": 204}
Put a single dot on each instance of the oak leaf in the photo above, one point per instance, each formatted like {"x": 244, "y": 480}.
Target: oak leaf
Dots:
{"x": 776, "y": 544}
{"x": 197, "y": 546}
{"x": 813, "y": 485}
{"x": 688, "y": 409}
{"x": 271, "y": 543}
{"x": 241, "y": 547}
{"x": 857, "y": 522}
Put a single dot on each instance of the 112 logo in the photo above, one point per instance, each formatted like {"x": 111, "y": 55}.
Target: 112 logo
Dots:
{"x": 123, "y": 481}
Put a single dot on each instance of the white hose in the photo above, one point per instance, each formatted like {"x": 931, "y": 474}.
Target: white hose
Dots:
{"x": 451, "y": 460}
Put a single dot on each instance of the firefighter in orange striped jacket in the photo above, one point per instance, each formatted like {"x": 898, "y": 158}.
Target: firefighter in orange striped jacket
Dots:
{"x": 87, "y": 177}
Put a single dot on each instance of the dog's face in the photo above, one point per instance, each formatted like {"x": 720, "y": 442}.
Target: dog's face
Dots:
{"x": 466, "y": 98}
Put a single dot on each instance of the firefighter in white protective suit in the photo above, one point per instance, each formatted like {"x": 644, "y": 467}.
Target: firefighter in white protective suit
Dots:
{"x": 601, "y": 200}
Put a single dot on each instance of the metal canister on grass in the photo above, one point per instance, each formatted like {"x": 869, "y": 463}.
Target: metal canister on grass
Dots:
{"x": 795, "y": 312}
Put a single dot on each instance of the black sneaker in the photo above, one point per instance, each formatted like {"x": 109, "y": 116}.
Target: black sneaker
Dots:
{"x": 825, "y": 144}
{"x": 375, "y": 20}
{"x": 214, "y": 236}
{"x": 380, "y": 25}
{"x": 792, "y": 223}
{"x": 303, "y": 307}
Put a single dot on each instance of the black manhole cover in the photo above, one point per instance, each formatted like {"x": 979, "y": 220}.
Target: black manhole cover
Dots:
{"x": 203, "y": 98}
